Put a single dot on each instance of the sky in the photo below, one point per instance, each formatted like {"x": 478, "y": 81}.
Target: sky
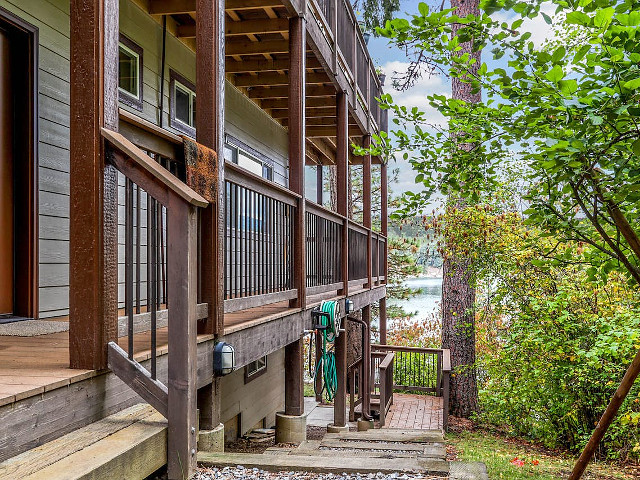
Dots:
{"x": 391, "y": 59}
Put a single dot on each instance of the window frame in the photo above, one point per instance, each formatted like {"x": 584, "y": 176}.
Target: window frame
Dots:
{"x": 176, "y": 123}
{"x": 259, "y": 372}
{"x": 124, "y": 96}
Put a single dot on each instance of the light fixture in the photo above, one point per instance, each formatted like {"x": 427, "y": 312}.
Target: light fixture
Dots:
{"x": 366, "y": 36}
{"x": 224, "y": 359}
{"x": 348, "y": 306}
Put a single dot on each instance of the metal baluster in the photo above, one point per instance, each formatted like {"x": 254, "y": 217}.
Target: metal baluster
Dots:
{"x": 138, "y": 246}
{"x": 152, "y": 239}
{"x": 128, "y": 263}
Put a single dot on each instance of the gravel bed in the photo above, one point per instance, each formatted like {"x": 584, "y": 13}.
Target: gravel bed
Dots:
{"x": 243, "y": 473}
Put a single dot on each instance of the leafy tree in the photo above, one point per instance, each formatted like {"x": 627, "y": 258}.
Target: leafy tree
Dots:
{"x": 571, "y": 116}
{"x": 375, "y": 13}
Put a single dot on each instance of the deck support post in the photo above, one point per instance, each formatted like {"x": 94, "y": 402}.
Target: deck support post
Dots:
{"x": 384, "y": 229}
{"x": 93, "y": 223}
{"x": 340, "y": 401}
{"x": 210, "y": 83}
{"x": 292, "y": 425}
{"x": 182, "y": 278}
{"x": 342, "y": 174}
{"x": 319, "y": 185}
{"x": 297, "y": 154}
{"x": 383, "y": 320}
{"x": 366, "y": 207}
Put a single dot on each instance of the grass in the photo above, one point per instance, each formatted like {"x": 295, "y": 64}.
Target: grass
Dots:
{"x": 308, "y": 390}
{"x": 498, "y": 453}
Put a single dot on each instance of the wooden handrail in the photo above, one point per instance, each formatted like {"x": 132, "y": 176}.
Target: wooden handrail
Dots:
{"x": 323, "y": 212}
{"x": 235, "y": 174}
{"x": 388, "y": 358}
{"x": 149, "y": 127}
{"x": 446, "y": 360}
{"x": 400, "y": 348}
{"x": 153, "y": 169}
{"x": 356, "y": 227}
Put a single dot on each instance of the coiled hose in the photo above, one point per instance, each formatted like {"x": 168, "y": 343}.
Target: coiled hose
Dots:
{"x": 327, "y": 361}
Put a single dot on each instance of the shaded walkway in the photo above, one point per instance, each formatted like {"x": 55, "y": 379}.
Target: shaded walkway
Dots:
{"x": 422, "y": 412}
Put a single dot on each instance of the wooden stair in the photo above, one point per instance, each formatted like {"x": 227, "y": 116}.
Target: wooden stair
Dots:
{"x": 130, "y": 444}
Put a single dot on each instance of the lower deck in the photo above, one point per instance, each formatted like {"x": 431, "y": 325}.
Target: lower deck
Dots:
{"x": 31, "y": 365}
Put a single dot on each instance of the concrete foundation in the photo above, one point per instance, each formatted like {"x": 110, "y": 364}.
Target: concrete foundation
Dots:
{"x": 211, "y": 440}
{"x": 291, "y": 428}
{"x": 364, "y": 425}
{"x": 337, "y": 429}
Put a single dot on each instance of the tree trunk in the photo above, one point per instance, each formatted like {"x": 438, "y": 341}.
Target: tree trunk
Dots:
{"x": 458, "y": 296}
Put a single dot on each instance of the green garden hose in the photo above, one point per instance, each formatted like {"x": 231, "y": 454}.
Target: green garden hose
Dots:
{"x": 327, "y": 361}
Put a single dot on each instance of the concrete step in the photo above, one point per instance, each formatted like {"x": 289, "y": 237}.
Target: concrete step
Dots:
{"x": 332, "y": 464}
{"x": 390, "y": 435}
{"x": 129, "y": 444}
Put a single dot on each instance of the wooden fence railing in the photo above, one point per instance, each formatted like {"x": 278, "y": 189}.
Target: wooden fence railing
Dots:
{"x": 382, "y": 371}
{"x": 416, "y": 370}
{"x": 174, "y": 392}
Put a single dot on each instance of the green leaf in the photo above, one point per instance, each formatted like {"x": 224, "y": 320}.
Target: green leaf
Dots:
{"x": 580, "y": 54}
{"x": 559, "y": 54}
{"x": 636, "y": 147}
{"x": 568, "y": 87}
{"x": 555, "y": 74}
{"x": 603, "y": 17}
{"x": 632, "y": 84}
{"x": 578, "y": 18}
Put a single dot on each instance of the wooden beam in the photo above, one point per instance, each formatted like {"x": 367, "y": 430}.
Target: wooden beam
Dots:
{"x": 154, "y": 392}
{"x": 366, "y": 209}
{"x": 248, "y": 47}
{"x": 283, "y": 92}
{"x": 210, "y": 90}
{"x": 171, "y": 7}
{"x": 340, "y": 401}
{"x": 310, "y": 112}
{"x": 281, "y": 103}
{"x": 93, "y": 248}
{"x": 296, "y": 114}
{"x": 248, "y": 27}
{"x": 328, "y": 155}
{"x": 342, "y": 187}
{"x": 270, "y": 79}
{"x": 251, "y": 4}
{"x": 264, "y": 65}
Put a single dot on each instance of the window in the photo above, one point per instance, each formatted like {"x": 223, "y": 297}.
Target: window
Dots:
{"x": 255, "y": 369}
{"x": 246, "y": 157}
{"x": 130, "y": 73}
{"x": 183, "y": 105}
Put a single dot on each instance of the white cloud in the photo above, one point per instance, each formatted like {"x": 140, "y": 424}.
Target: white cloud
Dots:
{"x": 539, "y": 29}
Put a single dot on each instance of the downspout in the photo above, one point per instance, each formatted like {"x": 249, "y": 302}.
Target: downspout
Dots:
{"x": 366, "y": 367}
{"x": 162, "y": 67}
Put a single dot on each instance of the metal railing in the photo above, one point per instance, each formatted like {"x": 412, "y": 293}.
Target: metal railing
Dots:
{"x": 259, "y": 237}
{"x": 358, "y": 238}
{"x": 417, "y": 370}
{"x": 323, "y": 249}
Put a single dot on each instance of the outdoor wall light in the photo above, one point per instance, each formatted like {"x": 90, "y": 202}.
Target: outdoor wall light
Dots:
{"x": 224, "y": 359}
{"x": 348, "y": 306}
{"x": 366, "y": 36}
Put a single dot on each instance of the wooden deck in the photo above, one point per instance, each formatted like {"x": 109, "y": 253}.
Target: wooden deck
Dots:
{"x": 422, "y": 412}
{"x": 33, "y": 365}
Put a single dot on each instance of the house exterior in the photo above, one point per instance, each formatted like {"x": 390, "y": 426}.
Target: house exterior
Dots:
{"x": 155, "y": 159}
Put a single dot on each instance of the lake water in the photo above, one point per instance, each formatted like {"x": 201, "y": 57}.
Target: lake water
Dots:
{"x": 427, "y": 302}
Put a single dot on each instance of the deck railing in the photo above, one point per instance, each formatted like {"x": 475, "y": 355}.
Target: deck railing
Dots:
{"x": 382, "y": 372}
{"x": 173, "y": 391}
{"x": 358, "y": 238}
{"x": 323, "y": 249}
{"x": 259, "y": 238}
{"x": 341, "y": 30}
{"x": 417, "y": 370}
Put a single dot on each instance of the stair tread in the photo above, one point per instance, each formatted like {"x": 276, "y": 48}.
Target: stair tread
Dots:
{"x": 90, "y": 447}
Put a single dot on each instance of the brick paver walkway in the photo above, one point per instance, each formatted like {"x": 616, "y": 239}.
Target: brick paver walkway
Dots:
{"x": 415, "y": 411}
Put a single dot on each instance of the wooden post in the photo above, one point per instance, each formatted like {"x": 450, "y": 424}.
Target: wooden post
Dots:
{"x": 297, "y": 70}
{"x": 607, "y": 417}
{"x": 366, "y": 207}
{"x": 384, "y": 220}
{"x": 182, "y": 281}
{"x": 210, "y": 83}
{"x": 318, "y": 378}
{"x": 383, "y": 320}
{"x": 93, "y": 220}
{"x": 340, "y": 402}
{"x": 319, "y": 185}
{"x": 342, "y": 187}
{"x": 366, "y": 362}
{"x": 293, "y": 378}
{"x": 293, "y": 355}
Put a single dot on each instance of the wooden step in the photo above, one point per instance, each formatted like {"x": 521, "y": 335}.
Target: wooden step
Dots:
{"x": 130, "y": 444}
{"x": 390, "y": 435}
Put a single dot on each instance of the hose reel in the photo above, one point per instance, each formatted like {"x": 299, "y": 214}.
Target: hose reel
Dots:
{"x": 327, "y": 323}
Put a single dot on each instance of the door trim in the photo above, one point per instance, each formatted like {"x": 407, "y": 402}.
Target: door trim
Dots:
{"x": 26, "y": 214}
